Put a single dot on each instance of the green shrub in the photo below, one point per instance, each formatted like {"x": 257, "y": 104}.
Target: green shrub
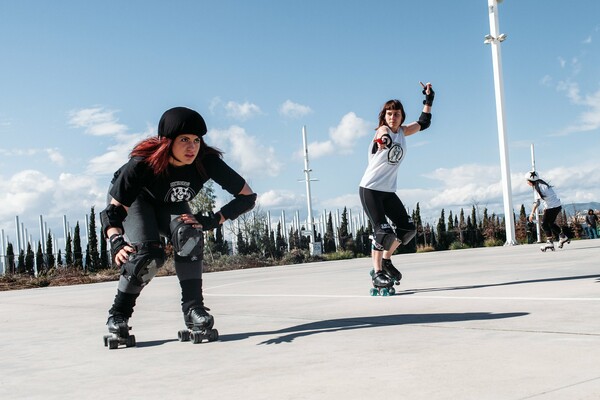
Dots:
{"x": 493, "y": 242}
{"x": 338, "y": 255}
{"x": 458, "y": 245}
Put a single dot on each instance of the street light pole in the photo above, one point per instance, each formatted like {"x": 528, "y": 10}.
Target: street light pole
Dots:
{"x": 494, "y": 39}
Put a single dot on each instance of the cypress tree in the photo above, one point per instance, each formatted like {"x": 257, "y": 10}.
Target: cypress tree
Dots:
{"x": 39, "y": 259}
{"x": 49, "y": 252}
{"x": 69, "y": 251}
{"x": 10, "y": 259}
{"x": 21, "y": 262}
{"x": 29, "y": 260}
{"x": 77, "y": 251}
{"x": 93, "y": 255}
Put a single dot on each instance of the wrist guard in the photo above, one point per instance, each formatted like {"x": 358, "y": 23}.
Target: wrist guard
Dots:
{"x": 428, "y": 97}
{"x": 208, "y": 222}
{"x": 240, "y": 204}
{"x": 112, "y": 216}
{"x": 117, "y": 242}
{"x": 424, "y": 120}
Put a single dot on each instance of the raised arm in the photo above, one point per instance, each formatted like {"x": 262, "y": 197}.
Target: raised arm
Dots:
{"x": 425, "y": 118}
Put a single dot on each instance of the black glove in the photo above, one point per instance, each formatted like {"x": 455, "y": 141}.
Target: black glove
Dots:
{"x": 428, "y": 97}
{"x": 117, "y": 242}
{"x": 208, "y": 222}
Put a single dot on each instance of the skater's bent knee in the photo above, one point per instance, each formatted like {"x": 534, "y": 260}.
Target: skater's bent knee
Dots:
{"x": 383, "y": 238}
{"x": 143, "y": 265}
{"x": 407, "y": 234}
{"x": 188, "y": 242}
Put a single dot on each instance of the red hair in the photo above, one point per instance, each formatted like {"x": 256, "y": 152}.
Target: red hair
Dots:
{"x": 156, "y": 151}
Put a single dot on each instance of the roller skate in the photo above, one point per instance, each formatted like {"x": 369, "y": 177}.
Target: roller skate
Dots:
{"x": 562, "y": 239}
{"x": 391, "y": 271}
{"x": 549, "y": 245}
{"x": 119, "y": 332}
{"x": 382, "y": 285}
{"x": 199, "y": 325}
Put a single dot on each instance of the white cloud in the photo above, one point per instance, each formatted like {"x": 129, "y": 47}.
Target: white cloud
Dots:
{"x": 562, "y": 62}
{"x": 97, "y": 121}
{"x": 23, "y": 191}
{"x": 242, "y": 111}
{"x": 214, "y": 103}
{"x": 294, "y": 110}
{"x": 319, "y": 149}
{"x": 53, "y": 154}
{"x": 76, "y": 194}
{"x": 245, "y": 151}
{"x": 589, "y": 119}
{"x": 117, "y": 154}
{"x": 342, "y": 138}
{"x": 281, "y": 199}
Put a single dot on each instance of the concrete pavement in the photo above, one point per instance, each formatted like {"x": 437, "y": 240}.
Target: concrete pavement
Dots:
{"x": 488, "y": 323}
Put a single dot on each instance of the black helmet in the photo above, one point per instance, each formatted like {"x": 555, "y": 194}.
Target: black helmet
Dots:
{"x": 180, "y": 120}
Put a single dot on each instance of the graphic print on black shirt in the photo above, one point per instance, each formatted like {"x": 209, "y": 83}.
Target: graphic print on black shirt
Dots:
{"x": 179, "y": 191}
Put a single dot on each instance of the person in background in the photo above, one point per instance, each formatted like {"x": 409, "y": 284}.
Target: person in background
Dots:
{"x": 545, "y": 194}
{"x": 591, "y": 219}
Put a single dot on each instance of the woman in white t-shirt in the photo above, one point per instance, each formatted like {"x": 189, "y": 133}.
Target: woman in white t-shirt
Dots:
{"x": 378, "y": 188}
{"x": 544, "y": 193}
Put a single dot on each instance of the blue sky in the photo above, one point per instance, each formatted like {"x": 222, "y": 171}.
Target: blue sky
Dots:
{"x": 81, "y": 82}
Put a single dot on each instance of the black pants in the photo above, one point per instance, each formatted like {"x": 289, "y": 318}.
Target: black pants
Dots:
{"x": 146, "y": 222}
{"x": 549, "y": 222}
{"x": 382, "y": 205}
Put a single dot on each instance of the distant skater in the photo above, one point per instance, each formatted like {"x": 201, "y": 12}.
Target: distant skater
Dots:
{"x": 545, "y": 195}
{"x": 378, "y": 189}
{"x": 149, "y": 199}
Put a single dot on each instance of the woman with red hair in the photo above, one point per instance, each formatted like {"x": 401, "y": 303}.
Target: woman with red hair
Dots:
{"x": 149, "y": 199}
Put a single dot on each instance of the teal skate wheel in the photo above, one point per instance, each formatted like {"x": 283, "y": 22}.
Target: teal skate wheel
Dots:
{"x": 384, "y": 292}
{"x": 392, "y": 291}
{"x": 374, "y": 292}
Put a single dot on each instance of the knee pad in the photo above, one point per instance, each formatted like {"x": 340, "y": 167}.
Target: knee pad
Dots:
{"x": 407, "y": 233}
{"x": 188, "y": 242}
{"x": 143, "y": 265}
{"x": 383, "y": 237}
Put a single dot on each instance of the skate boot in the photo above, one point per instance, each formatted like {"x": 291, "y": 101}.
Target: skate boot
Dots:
{"x": 562, "y": 239}
{"x": 549, "y": 245}
{"x": 382, "y": 285}
{"x": 199, "y": 325}
{"x": 391, "y": 271}
{"x": 118, "y": 329}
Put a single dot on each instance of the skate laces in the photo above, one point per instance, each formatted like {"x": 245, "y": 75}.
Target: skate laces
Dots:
{"x": 199, "y": 311}
{"x": 119, "y": 319}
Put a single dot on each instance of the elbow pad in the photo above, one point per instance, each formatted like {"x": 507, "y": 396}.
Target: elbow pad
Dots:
{"x": 424, "y": 120}
{"x": 112, "y": 216}
{"x": 240, "y": 204}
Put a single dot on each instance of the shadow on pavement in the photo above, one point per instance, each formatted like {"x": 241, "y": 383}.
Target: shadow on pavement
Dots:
{"x": 440, "y": 289}
{"x": 344, "y": 324}
{"x": 153, "y": 343}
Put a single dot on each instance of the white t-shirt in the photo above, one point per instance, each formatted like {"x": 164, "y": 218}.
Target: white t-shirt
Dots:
{"x": 382, "y": 170}
{"x": 550, "y": 199}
